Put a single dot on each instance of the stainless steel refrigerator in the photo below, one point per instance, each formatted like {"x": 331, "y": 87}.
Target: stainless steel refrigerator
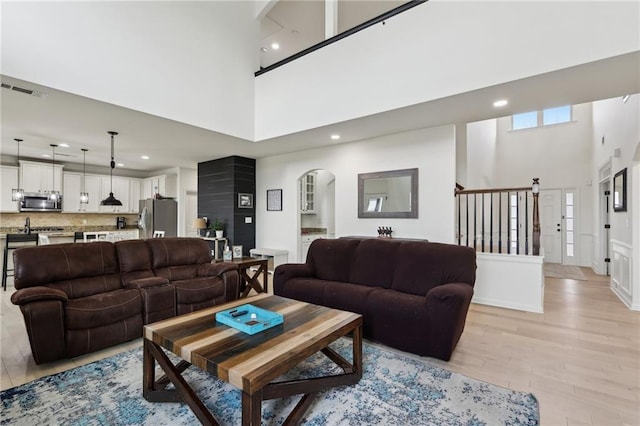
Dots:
{"x": 158, "y": 215}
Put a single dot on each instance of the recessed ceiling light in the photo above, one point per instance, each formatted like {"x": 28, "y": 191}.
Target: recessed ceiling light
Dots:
{"x": 64, "y": 145}
{"x": 500, "y": 103}
{"x": 145, "y": 157}
{"x": 263, "y": 49}
{"x": 119, "y": 165}
{"x": 275, "y": 46}
{"x": 46, "y": 155}
{"x": 335, "y": 137}
{"x": 625, "y": 98}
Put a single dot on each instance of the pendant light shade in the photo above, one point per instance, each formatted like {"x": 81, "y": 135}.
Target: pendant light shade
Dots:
{"x": 17, "y": 193}
{"x": 111, "y": 200}
{"x": 84, "y": 195}
{"x": 53, "y": 194}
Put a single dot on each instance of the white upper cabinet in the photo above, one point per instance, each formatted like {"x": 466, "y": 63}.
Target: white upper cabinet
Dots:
{"x": 8, "y": 181}
{"x": 134, "y": 195}
{"x": 40, "y": 177}
{"x": 71, "y": 188}
{"x": 93, "y": 186}
{"x": 153, "y": 185}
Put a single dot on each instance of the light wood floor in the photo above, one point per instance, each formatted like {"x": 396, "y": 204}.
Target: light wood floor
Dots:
{"x": 581, "y": 358}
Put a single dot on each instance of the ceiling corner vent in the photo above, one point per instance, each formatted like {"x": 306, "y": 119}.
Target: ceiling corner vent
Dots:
{"x": 31, "y": 92}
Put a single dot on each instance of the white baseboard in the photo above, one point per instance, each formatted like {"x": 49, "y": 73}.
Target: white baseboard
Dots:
{"x": 509, "y": 305}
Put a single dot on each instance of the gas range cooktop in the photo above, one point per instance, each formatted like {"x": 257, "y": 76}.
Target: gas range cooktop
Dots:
{"x": 46, "y": 229}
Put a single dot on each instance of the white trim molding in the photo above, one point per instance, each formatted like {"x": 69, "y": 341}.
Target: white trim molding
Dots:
{"x": 621, "y": 271}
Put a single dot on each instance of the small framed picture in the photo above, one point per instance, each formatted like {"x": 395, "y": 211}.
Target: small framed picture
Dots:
{"x": 274, "y": 199}
{"x": 245, "y": 201}
{"x": 237, "y": 252}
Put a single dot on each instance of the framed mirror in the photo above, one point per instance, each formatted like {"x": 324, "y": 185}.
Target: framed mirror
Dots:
{"x": 392, "y": 194}
{"x": 620, "y": 191}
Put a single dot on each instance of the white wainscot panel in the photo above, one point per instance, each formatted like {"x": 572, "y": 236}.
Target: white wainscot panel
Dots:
{"x": 621, "y": 255}
{"x": 510, "y": 281}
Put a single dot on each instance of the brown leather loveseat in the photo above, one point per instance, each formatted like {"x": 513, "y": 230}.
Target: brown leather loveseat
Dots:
{"x": 413, "y": 295}
{"x": 79, "y": 298}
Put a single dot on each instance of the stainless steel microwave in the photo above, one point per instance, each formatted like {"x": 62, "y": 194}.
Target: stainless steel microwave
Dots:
{"x": 40, "y": 202}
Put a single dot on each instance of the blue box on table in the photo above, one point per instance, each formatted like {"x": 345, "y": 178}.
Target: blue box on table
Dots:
{"x": 249, "y": 319}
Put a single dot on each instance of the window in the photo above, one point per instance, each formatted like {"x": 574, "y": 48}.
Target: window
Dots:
{"x": 526, "y": 120}
{"x": 556, "y": 115}
{"x": 546, "y": 117}
{"x": 569, "y": 224}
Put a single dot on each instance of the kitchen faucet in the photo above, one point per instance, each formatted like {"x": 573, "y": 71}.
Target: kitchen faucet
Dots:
{"x": 27, "y": 226}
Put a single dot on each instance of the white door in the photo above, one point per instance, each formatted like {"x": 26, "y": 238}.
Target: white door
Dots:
{"x": 551, "y": 225}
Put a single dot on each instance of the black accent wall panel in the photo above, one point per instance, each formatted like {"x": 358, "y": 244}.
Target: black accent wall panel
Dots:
{"x": 219, "y": 183}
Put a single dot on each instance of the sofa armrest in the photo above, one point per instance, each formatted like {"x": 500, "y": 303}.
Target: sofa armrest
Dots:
{"x": 216, "y": 269}
{"x": 147, "y": 282}
{"x": 43, "y": 311}
{"x": 285, "y": 272}
{"x": 447, "y": 307}
{"x": 34, "y": 294}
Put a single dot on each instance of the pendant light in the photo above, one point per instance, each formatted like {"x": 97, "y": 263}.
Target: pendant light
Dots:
{"x": 111, "y": 200}
{"x": 53, "y": 195}
{"x": 84, "y": 195}
{"x": 17, "y": 193}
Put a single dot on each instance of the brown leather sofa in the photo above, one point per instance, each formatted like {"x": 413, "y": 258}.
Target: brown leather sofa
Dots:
{"x": 413, "y": 295}
{"x": 79, "y": 298}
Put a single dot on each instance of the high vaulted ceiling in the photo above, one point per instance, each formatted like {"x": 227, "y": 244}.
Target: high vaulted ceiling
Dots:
{"x": 61, "y": 117}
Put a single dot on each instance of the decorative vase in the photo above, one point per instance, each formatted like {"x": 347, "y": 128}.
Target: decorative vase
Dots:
{"x": 219, "y": 234}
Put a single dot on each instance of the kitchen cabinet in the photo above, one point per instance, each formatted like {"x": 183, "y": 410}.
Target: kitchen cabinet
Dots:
{"x": 307, "y": 194}
{"x": 306, "y": 243}
{"x": 40, "y": 177}
{"x": 8, "y": 181}
{"x": 71, "y": 188}
{"x": 134, "y": 195}
{"x": 93, "y": 186}
{"x": 153, "y": 185}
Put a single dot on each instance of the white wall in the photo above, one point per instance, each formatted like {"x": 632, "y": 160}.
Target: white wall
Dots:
{"x": 619, "y": 124}
{"x": 482, "y": 170}
{"x": 350, "y": 78}
{"x": 616, "y": 125}
{"x": 432, "y": 151}
{"x": 171, "y": 59}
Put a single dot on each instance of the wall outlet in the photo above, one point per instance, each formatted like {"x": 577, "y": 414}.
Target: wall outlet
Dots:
{"x": 248, "y": 219}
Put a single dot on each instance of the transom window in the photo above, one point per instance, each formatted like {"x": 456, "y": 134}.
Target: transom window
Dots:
{"x": 546, "y": 117}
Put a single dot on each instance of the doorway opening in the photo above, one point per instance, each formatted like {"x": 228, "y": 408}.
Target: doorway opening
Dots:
{"x": 316, "y": 208}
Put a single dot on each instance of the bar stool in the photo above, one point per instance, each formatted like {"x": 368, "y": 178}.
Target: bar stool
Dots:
{"x": 13, "y": 242}
{"x": 158, "y": 234}
{"x": 78, "y": 235}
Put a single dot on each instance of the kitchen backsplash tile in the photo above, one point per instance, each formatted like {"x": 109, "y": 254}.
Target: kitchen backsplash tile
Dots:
{"x": 12, "y": 222}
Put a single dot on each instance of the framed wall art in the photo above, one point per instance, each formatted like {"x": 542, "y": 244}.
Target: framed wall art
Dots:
{"x": 245, "y": 201}
{"x": 274, "y": 199}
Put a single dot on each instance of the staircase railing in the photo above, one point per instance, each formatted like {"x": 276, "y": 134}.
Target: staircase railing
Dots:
{"x": 504, "y": 220}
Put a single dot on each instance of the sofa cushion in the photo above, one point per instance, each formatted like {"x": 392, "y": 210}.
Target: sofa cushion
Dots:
{"x": 66, "y": 266}
{"x": 101, "y": 309}
{"x": 374, "y": 263}
{"x": 198, "y": 289}
{"x": 346, "y": 296}
{"x": 134, "y": 259}
{"x": 421, "y": 266}
{"x": 166, "y": 252}
{"x": 332, "y": 259}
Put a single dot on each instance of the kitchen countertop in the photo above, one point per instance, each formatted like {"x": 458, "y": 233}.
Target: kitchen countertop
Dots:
{"x": 313, "y": 231}
{"x": 67, "y": 231}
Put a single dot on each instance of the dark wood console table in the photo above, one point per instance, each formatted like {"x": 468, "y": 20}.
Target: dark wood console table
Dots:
{"x": 248, "y": 278}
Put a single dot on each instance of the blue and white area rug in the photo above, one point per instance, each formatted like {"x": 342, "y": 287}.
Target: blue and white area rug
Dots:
{"x": 395, "y": 390}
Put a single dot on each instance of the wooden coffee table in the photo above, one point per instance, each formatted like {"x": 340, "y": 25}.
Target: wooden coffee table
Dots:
{"x": 250, "y": 362}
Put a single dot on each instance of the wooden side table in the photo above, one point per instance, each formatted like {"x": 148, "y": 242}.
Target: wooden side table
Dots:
{"x": 248, "y": 278}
